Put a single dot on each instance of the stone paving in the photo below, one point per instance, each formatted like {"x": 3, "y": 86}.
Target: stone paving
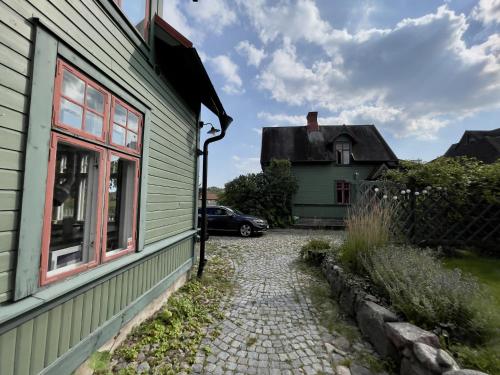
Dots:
{"x": 271, "y": 325}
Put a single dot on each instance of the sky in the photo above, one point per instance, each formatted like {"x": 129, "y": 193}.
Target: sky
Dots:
{"x": 422, "y": 72}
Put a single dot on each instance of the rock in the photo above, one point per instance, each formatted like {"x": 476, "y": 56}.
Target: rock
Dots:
{"x": 406, "y": 352}
{"x": 412, "y": 368}
{"x": 338, "y": 351}
{"x": 359, "y": 370}
{"x": 406, "y": 334}
{"x": 464, "y": 372}
{"x": 347, "y": 298}
{"x": 329, "y": 348}
{"x": 143, "y": 368}
{"x": 427, "y": 356}
{"x": 342, "y": 370}
{"x": 446, "y": 361}
{"x": 337, "y": 281}
{"x": 335, "y": 357}
{"x": 371, "y": 318}
{"x": 197, "y": 368}
{"x": 342, "y": 343}
{"x": 141, "y": 357}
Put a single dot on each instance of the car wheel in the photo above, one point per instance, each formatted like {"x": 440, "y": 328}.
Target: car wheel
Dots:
{"x": 246, "y": 230}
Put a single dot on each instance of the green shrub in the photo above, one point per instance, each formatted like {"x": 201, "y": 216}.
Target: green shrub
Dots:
{"x": 315, "y": 250}
{"x": 368, "y": 227}
{"x": 267, "y": 194}
{"x": 484, "y": 359}
{"x": 462, "y": 177}
{"x": 428, "y": 294}
{"x": 99, "y": 363}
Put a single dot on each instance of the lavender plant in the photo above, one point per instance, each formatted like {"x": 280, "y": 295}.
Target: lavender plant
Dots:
{"x": 426, "y": 293}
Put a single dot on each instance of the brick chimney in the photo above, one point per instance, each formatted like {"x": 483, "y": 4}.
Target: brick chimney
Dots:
{"x": 312, "y": 122}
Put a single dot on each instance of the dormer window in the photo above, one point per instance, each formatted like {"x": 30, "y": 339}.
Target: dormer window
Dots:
{"x": 343, "y": 152}
{"x": 137, "y": 11}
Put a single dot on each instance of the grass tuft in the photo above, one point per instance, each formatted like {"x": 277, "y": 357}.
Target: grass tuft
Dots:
{"x": 368, "y": 227}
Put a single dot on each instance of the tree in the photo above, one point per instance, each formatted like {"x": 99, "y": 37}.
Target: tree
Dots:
{"x": 267, "y": 194}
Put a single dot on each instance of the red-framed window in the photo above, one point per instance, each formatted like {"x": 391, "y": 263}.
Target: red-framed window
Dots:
{"x": 93, "y": 180}
{"x": 71, "y": 234}
{"x": 125, "y": 128}
{"x": 137, "y": 11}
{"x": 119, "y": 226}
{"x": 343, "y": 190}
{"x": 81, "y": 106}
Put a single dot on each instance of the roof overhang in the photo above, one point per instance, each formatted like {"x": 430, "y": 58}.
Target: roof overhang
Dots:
{"x": 182, "y": 66}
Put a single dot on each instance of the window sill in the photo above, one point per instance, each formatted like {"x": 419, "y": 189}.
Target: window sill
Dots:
{"x": 50, "y": 293}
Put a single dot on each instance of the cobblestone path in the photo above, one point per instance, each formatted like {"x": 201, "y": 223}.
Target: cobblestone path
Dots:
{"x": 271, "y": 325}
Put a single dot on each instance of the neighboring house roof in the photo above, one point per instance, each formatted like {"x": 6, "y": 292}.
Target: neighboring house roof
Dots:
{"x": 210, "y": 196}
{"x": 295, "y": 144}
{"x": 481, "y": 144}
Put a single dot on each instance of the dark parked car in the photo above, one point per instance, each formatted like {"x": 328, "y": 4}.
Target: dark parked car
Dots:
{"x": 221, "y": 218}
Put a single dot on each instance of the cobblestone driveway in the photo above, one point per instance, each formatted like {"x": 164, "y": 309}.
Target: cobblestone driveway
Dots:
{"x": 271, "y": 325}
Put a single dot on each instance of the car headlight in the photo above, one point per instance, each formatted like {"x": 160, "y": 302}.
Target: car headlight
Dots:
{"x": 259, "y": 221}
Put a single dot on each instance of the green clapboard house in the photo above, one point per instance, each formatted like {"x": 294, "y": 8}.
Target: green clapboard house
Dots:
{"x": 99, "y": 108}
{"x": 329, "y": 162}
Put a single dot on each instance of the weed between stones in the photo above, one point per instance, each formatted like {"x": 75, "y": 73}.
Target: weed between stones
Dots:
{"x": 167, "y": 343}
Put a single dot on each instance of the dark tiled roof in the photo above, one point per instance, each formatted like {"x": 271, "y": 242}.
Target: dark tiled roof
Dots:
{"x": 295, "y": 144}
{"x": 481, "y": 144}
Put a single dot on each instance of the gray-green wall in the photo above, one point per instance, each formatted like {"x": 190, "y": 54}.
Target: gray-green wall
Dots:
{"x": 92, "y": 32}
{"x": 316, "y": 196}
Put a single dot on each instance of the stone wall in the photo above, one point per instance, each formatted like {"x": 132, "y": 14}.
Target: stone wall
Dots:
{"x": 414, "y": 350}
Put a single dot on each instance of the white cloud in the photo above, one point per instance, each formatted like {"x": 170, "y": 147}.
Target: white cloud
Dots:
{"x": 176, "y": 18}
{"x": 246, "y": 165}
{"x": 412, "y": 79}
{"x": 224, "y": 66}
{"x": 253, "y": 54}
{"x": 297, "y": 19}
{"x": 487, "y": 11}
{"x": 213, "y": 15}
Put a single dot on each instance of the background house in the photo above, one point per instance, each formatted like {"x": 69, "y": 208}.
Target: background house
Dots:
{"x": 99, "y": 108}
{"x": 481, "y": 144}
{"x": 212, "y": 198}
{"x": 328, "y": 161}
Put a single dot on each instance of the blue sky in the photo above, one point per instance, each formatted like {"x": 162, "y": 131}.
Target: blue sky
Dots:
{"x": 421, "y": 71}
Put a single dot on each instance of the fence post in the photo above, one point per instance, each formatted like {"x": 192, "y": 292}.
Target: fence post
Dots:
{"x": 413, "y": 213}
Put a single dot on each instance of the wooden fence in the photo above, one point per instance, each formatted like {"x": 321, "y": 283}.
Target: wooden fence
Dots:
{"x": 431, "y": 216}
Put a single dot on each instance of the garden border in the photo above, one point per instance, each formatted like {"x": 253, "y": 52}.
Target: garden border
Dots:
{"x": 414, "y": 350}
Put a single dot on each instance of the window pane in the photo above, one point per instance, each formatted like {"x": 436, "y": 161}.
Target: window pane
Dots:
{"x": 345, "y": 157}
{"x": 133, "y": 122}
{"x": 132, "y": 140}
{"x": 73, "y": 206}
{"x": 95, "y": 99}
{"x": 70, "y": 114}
{"x": 93, "y": 123}
{"x": 73, "y": 87}
{"x": 121, "y": 196}
{"x": 120, "y": 115}
{"x": 135, "y": 10}
{"x": 118, "y": 136}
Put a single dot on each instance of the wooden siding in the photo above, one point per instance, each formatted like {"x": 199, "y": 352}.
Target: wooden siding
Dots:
{"x": 85, "y": 27}
{"x": 35, "y": 344}
{"x": 316, "y": 194}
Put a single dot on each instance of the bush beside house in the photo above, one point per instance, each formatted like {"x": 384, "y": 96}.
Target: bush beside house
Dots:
{"x": 266, "y": 194}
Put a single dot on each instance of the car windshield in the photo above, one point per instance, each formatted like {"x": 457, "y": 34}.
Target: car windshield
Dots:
{"x": 236, "y": 211}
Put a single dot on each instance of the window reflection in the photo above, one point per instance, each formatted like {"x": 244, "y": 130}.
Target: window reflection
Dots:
{"x": 136, "y": 12}
{"x": 343, "y": 152}
{"x": 72, "y": 206}
{"x": 120, "y": 204}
